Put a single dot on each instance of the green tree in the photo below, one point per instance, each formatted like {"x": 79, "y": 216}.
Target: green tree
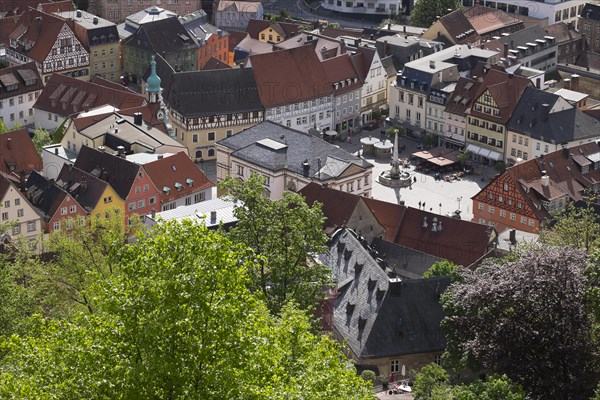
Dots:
{"x": 41, "y": 138}
{"x": 178, "y": 322}
{"x": 527, "y": 319}
{"x": 3, "y": 127}
{"x": 431, "y": 378}
{"x": 493, "y": 388}
{"x": 443, "y": 268}
{"x": 573, "y": 227}
{"x": 425, "y": 12}
{"x": 287, "y": 233}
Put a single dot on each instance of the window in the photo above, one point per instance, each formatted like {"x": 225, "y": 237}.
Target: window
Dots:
{"x": 132, "y": 206}
{"x": 146, "y": 187}
{"x": 524, "y": 220}
{"x": 395, "y": 366}
{"x": 137, "y": 189}
{"x": 502, "y": 214}
{"x": 513, "y": 217}
{"x": 17, "y": 202}
{"x": 152, "y": 200}
{"x": 240, "y": 170}
{"x": 63, "y": 211}
{"x": 56, "y": 225}
{"x": 198, "y": 197}
{"x": 31, "y": 226}
{"x": 491, "y": 210}
{"x": 4, "y": 216}
{"x": 366, "y": 180}
{"x": 481, "y": 206}
{"x": 195, "y": 138}
{"x": 72, "y": 209}
{"x": 7, "y": 204}
{"x": 349, "y": 187}
{"x": 108, "y": 199}
{"x": 141, "y": 204}
{"x": 506, "y": 186}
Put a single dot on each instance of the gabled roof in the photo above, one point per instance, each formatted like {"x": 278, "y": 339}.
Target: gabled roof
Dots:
{"x": 37, "y": 32}
{"x": 82, "y": 186}
{"x": 505, "y": 89}
{"x": 287, "y": 29}
{"x": 459, "y": 28}
{"x": 564, "y": 170}
{"x": 17, "y": 153}
{"x": 493, "y": 19}
{"x": 66, "y": 96}
{"x": 178, "y": 173}
{"x": 591, "y": 11}
{"x": 524, "y": 36}
{"x": 214, "y": 63}
{"x": 116, "y": 171}
{"x": 299, "y": 67}
{"x": 338, "y": 206}
{"x": 379, "y": 316}
{"x": 222, "y": 91}
{"x": 20, "y": 79}
{"x": 465, "y": 89}
{"x": 235, "y": 37}
{"x": 339, "y": 70}
{"x": 263, "y": 145}
{"x": 44, "y": 195}
{"x": 561, "y": 32}
{"x": 152, "y": 36}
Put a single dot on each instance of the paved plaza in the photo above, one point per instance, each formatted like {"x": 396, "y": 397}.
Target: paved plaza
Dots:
{"x": 439, "y": 196}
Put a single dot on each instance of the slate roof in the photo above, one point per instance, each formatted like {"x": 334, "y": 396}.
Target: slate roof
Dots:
{"x": 68, "y": 96}
{"x": 17, "y": 153}
{"x": 591, "y": 11}
{"x": 338, "y": 206}
{"x": 299, "y": 67}
{"x": 524, "y": 36}
{"x": 297, "y": 147}
{"x": 215, "y": 63}
{"x": 559, "y": 127}
{"x": 222, "y": 91}
{"x": 151, "y": 36}
{"x": 44, "y": 195}
{"x": 506, "y": 90}
{"x": 119, "y": 173}
{"x": 404, "y": 261}
{"x": 83, "y": 187}
{"x": 378, "y": 316}
{"x": 235, "y": 37}
{"x": 21, "y": 75}
{"x": 175, "y": 172}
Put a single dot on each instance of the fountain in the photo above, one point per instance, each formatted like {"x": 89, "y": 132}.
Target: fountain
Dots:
{"x": 394, "y": 177}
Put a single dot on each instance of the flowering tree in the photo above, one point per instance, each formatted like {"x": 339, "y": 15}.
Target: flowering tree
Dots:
{"x": 528, "y": 319}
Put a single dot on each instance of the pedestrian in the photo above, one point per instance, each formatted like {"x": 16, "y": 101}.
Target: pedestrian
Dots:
{"x": 415, "y": 179}
{"x": 423, "y": 205}
{"x": 419, "y": 205}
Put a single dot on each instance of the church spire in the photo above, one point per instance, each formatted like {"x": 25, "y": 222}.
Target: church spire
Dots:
{"x": 153, "y": 83}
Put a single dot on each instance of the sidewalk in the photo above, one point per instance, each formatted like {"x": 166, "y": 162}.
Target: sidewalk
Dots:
{"x": 438, "y": 196}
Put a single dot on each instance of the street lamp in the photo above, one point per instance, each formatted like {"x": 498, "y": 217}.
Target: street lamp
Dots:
{"x": 440, "y": 208}
{"x": 459, "y": 199}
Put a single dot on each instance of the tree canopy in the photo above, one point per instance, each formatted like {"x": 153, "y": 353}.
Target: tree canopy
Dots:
{"x": 287, "y": 233}
{"x": 425, "y": 12}
{"x": 528, "y": 319}
{"x": 176, "y": 320}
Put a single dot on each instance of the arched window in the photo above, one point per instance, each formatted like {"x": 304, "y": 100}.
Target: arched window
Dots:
{"x": 211, "y": 152}
{"x": 198, "y": 153}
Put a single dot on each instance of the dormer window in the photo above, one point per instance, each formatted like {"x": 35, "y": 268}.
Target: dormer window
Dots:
{"x": 178, "y": 186}
{"x": 189, "y": 182}
{"x": 167, "y": 190}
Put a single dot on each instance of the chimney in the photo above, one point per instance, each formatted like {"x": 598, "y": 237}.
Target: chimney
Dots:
{"x": 78, "y": 13}
{"x": 545, "y": 179}
{"x": 159, "y": 156}
{"x": 567, "y": 83}
{"x": 38, "y": 24}
{"x": 83, "y": 186}
{"x": 213, "y": 217}
{"x": 137, "y": 118}
{"x": 56, "y": 150}
{"x": 219, "y": 33}
{"x": 510, "y": 75}
{"x": 101, "y": 149}
{"x": 121, "y": 151}
{"x": 22, "y": 181}
{"x": 95, "y": 20}
{"x": 389, "y": 26}
{"x": 545, "y": 111}
{"x": 305, "y": 168}
{"x": 9, "y": 143}
{"x": 575, "y": 82}
{"x": 385, "y": 48}
{"x": 404, "y": 29}
{"x": 432, "y": 64}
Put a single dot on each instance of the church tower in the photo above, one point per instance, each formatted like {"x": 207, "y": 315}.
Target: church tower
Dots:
{"x": 153, "y": 88}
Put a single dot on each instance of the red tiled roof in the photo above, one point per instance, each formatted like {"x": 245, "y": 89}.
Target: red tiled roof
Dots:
{"x": 41, "y": 32}
{"x": 462, "y": 91}
{"x": 506, "y": 90}
{"x": 57, "y": 6}
{"x": 338, "y": 206}
{"x": 169, "y": 171}
{"x": 339, "y": 69}
{"x": 17, "y": 153}
{"x": 80, "y": 96}
{"x": 289, "y": 76}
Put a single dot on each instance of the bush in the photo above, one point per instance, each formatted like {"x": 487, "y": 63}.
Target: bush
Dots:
{"x": 369, "y": 375}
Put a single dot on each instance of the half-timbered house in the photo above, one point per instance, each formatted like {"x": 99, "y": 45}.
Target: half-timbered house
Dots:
{"x": 51, "y": 43}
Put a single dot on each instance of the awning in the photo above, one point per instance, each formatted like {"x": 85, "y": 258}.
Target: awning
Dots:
{"x": 493, "y": 155}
